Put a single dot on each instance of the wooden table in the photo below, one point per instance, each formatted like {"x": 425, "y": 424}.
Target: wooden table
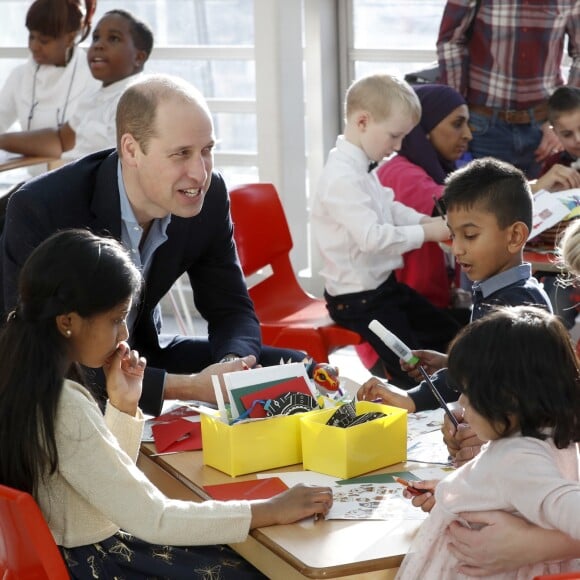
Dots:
{"x": 18, "y": 162}
{"x": 325, "y": 549}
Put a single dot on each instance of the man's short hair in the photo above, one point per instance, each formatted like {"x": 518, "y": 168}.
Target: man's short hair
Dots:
{"x": 137, "y": 108}
{"x": 563, "y": 100}
{"x": 494, "y": 186}
{"x": 378, "y": 94}
{"x": 141, "y": 33}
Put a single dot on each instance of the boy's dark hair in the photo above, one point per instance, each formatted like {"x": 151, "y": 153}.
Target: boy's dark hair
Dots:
{"x": 563, "y": 100}
{"x": 495, "y": 186}
{"x": 519, "y": 362}
{"x": 141, "y": 33}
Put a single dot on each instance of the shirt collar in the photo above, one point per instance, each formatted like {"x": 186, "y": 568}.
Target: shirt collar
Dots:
{"x": 354, "y": 152}
{"x": 503, "y": 279}
{"x": 127, "y": 213}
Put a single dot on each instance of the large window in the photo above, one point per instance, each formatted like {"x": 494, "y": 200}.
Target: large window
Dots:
{"x": 392, "y": 35}
{"x": 274, "y": 73}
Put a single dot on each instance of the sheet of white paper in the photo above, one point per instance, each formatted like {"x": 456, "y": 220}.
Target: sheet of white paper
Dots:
{"x": 372, "y": 501}
{"x": 428, "y": 448}
{"x": 424, "y": 422}
{"x": 219, "y": 398}
{"x": 548, "y": 211}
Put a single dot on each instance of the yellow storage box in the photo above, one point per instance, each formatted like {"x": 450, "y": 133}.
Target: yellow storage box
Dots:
{"x": 351, "y": 451}
{"x": 251, "y": 446}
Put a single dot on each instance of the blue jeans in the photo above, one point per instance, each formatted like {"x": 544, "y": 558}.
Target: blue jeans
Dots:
{"x": 515, "y": 144}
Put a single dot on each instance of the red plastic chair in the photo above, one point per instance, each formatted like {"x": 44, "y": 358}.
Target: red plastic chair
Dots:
{"x": 289, "y": 317}
{"x": 27, "y": 548}
{"x": 562, "y": 576}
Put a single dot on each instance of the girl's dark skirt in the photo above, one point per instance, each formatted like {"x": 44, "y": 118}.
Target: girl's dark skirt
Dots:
{"x": 124, "y": 557}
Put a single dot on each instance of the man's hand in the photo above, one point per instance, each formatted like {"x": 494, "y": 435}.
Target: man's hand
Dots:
{"x": 200, "y": 386}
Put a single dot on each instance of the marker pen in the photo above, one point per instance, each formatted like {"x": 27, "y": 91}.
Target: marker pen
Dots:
{"x": 393, "y": 342}
{"x": 405, "y": 353}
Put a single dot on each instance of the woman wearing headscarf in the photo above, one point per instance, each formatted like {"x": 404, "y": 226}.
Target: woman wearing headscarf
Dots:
{"x": 428, "y": 154}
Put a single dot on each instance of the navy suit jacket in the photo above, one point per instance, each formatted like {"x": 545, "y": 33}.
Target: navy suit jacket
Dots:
{"x": 85, "y": 194}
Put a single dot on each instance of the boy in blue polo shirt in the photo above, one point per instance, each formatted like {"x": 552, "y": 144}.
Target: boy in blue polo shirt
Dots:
{"x": 489, "y": 214}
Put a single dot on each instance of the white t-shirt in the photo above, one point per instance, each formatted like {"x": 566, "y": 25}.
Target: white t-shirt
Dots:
{"x": 56, "y": 92}
{"x": 94, "y": 120}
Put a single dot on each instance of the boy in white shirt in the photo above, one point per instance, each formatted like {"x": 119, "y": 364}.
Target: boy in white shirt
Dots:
{"x": 362, "y": 233}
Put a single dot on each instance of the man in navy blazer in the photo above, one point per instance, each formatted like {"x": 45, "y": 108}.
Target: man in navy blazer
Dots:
{"x": 158, "y": 194}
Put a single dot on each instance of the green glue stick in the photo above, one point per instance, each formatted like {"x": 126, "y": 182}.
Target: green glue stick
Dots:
{"x": 394, "y": 343}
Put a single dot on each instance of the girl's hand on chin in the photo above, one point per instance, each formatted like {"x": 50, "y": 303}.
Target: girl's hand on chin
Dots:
{"x": 124, "y": 372}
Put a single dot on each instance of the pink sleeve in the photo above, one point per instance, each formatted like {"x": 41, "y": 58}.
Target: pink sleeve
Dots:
{"x": 411, "y": 184}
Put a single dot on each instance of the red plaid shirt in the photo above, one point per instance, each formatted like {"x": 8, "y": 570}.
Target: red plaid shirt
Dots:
{"x": 514, "y": 57}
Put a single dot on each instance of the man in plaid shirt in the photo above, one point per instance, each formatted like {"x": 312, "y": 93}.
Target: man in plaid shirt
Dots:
{"x": 507, "y": 71}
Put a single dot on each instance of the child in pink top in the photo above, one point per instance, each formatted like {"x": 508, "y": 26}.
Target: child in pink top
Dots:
{"x": 520, "y": 385}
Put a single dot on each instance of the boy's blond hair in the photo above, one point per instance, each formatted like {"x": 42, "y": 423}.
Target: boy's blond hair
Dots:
{"x": 378, "y": 94}
{"x": 569, "y": 249}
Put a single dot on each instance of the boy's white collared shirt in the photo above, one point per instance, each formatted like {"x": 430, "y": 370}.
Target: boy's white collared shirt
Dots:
{"x": 359, "y": 229}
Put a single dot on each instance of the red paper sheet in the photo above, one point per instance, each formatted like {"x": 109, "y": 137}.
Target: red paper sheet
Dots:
{"x": 177, "y": 434}
{"x": 252, "y": 489}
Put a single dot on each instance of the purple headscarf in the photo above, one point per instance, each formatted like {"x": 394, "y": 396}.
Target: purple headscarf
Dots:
{"x": 437, "y": 101}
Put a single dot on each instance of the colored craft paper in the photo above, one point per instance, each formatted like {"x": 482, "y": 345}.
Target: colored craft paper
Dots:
{"x": 252, "y": 489}
{"x": 178, "y": 435}
{"x": 295, "y": 385}
{"x": 378, "y": 478}
{"x": 255, "y": 380}
{"x": 237, "y": 394}
{"x": 177, "y": 430}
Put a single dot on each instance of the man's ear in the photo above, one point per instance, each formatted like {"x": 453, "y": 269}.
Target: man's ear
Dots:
{"x": 518, "y": 236}
{"x": 128, "y": 149}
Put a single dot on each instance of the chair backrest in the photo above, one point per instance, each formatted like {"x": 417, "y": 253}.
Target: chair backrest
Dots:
{"x": 260, "y": 227}
{"x": 27, "y": 548}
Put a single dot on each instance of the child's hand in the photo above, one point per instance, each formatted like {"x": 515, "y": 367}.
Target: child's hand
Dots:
{"x": 435, "y": 230}
{"x": 462, "y": 443}
{"x": 549, "y": 144}
{"x": 558, "y": 178}
{"x": 124, "y": 372}
{"x": 388, "y": 394}
{"x": 292, "y": 505}
{"x": 430, "y": 360}
{"x": 426, "y": 500}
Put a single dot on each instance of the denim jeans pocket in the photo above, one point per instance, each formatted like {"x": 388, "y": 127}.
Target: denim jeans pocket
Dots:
{"x": 479, "y": 124}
